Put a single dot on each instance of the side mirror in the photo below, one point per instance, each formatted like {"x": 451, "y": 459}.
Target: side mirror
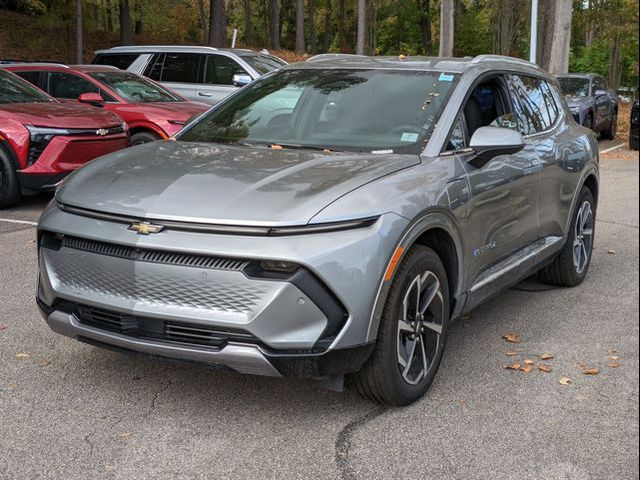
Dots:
{"x": 491, "y": 142}
{"x": 94, "y": 99}
{"x": 600, "y": 93}
{"x": 241, "y": 79}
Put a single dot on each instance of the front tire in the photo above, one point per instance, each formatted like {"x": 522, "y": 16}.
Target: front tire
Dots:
{"x": 9, "y": 185}
{"x": 570, "y": 267}
{"x": 412, "y": 332}
{"x": 143, "y": 137}
{"x": 610, "y": 133}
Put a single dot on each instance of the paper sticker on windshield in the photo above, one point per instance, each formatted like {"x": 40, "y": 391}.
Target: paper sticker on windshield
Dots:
{"x": 409, "y": 137}
{"x": 446, "y": 77}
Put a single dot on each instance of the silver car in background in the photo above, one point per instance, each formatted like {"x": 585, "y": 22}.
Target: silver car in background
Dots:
{"x": 331, "y": 218}
{"x": 200, "y": 74}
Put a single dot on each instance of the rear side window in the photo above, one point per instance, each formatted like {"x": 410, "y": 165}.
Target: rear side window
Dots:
{"x": 220, "y": 70}
{"x": 534, "y": 103}
{"x": 180, "y": 68}
{"x": 119, "y": 60}
{"x": 32, "y": 77}
{"x": 68, "y": 86}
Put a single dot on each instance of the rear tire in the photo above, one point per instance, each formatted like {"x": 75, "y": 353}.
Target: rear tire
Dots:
{"x": 633, "y": 143}
{"x": 610, "y": 133}
{"x": 9, "y": 185}
{"x": 588, "y": 122}
{"x": 570, "y": 267}
{"x": 412, "y": 332}
{"x": 143, "y": 137}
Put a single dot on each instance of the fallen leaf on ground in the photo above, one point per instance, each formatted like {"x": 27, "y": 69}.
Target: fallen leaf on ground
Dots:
{"x": 45, "y": 363}
{"x": 614, "y": 357}
{"x": 466, "y": 317}
{"x": 611, "y": 252}
{"x": 529, "y": 362}
{"x": 126, "y": 434}
{"x": 515, "y": 366}
{"x": 611, "y": 350}
{"x": 545, "y": 368}
{"x": 546, "y": 356}
{"x": 614, "y": 365}
{"x": 511, "y": 354}
{"x": 526, "y": 369}
{"x": 3, "y": 327}
{"x": 512, "y": 337}
{"x": 22, "y": 356}
{"x": 591, "y": 371}
{"x": 565, "y": 381}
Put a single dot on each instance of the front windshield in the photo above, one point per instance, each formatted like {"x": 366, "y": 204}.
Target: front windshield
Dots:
{"x": 574, "y": 86}
{"x": 356, "y": 110}
{"x": 135, "y": 89}
{"x": 16, "y": 90}
{"x": 263, "y": 63}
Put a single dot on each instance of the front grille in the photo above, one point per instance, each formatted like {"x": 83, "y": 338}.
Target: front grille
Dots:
{"x": 154, "y": 256}
{"x": 154, "y": 328}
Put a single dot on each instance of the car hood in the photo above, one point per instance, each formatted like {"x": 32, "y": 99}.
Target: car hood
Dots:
{"x": 60, "y": 115}
{"x": 170, "y": 110}
{"x": 222, "y": 184}
{"x": 578, "y": 102}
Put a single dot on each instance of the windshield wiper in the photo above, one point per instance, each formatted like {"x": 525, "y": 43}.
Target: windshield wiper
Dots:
{"x": 295, "y": 146}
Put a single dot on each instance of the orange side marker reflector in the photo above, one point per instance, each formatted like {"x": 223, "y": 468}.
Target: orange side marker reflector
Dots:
{"x": 392, "y": 265}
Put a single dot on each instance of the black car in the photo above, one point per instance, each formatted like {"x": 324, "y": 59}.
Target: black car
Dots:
{"x": 633, "y": 130}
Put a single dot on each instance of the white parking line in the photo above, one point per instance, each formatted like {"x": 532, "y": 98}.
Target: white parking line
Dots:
{"x": 21, "y": 222}
{"x": 612, "y": 148}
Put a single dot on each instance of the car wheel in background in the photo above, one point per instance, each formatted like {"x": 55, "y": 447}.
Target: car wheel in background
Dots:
{"x": 588, "y": 121}
{"x": 143, "y": 137}
{"x": 9, "y": 186}
{"x": 572, "y": 263}
{"x": 610, "y": 133}
{"x": 633, "y": 143}
{"x": 412, "y": 332}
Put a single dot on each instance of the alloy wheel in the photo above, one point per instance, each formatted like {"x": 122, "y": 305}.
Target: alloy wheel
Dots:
{"x": 420, "y": 327}
{"x": 583, "y": 240}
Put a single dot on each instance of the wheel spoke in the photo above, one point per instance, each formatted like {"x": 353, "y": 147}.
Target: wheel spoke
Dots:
{"x": 434, "y": 327}
{"x": 587, "y": 232}
{"x": 425, "y": 363}
{"x": 430, "y": 294}
{"x": 409, "y": 359}
{"x": 404, "y": 326}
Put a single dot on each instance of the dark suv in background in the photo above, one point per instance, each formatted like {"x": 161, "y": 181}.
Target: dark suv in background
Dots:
{"x": 591, "y": 102}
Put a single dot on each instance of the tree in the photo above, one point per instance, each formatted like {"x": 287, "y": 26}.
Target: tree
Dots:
{"x": 362, "y": 27}
{"x": 125, "y": 23}
{"x": 217, "y": 24}
{"x": 202, "y": 19}
{"x": 328, "y": 30}
{"x": 313, "y": 39}
{"x": 447, "y": 28}
{"x": 274, "y": 24}
{"x": 561, "y": 43}
{"x": 507, "y": 18}
{"x": 79, "y": 46}
{"x": 300, "y": 46}
{"x": 425, "y": 26}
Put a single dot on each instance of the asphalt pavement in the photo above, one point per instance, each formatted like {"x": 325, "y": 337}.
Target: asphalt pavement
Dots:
{"x": 71, "y": 411}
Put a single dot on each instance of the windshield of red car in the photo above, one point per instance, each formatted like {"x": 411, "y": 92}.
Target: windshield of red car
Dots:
{"x": 574, "y": 86}
{"x": 16, "y": 90}
{"x": 135, "y": 89}
{"x": 385, "y": 111}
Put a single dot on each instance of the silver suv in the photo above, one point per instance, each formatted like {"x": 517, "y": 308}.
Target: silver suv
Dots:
{"x": 331, "y": 218}
{"x": 203, "y": 74}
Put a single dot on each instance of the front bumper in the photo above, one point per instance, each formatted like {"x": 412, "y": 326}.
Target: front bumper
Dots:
{"x": 148, "y": 284}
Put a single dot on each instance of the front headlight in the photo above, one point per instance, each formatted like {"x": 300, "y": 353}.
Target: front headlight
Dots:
{"x": 39, "y": 138}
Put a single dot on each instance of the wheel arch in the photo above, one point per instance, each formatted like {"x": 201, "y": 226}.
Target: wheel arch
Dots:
{"x": 147, "y": 128}
{"x": 436, "y": 230}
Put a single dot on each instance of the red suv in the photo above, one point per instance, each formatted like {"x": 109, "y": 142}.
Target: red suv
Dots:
{"x": 42, "y": 140}
{"x": 151, "y": 111}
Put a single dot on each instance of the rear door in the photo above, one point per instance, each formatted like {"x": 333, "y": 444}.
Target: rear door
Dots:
{"x": 602, "y": 103}
{"x": 218, "y": 83}
{"x": 180, "y": 72}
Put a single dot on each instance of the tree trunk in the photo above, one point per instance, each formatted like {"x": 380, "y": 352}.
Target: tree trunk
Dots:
{"x": 362, "y": 27}
{"x": 202, "y": 19}
{"x": 425, "y": 26}
{"x": 274, "y": 24}
{"x": 300, "y": 46}
{"x": 217, "y": 24}
{"x": 507, "y": 15}
{"x": 615, "y": 63}
{"x": 248, "y": 28}
{"x": 561, "y": 43}
{"x": 342, "y": 40}
{"x": 546, "y": 20}
{"x": 125, "y": 23}
{"x": 447, "y": 28}
{"x": 328, "y": 31}
{"x": 79, "y": 46}
{"x": 313, "y": 37}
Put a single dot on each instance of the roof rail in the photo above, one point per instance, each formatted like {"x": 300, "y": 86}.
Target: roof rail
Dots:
{"x": 39, "y": 64}
{"x": 93, "y": 65}
{"x": 502, "y": 58}
{"x": 151, "y": 47}
{"x": 329, "y": 56}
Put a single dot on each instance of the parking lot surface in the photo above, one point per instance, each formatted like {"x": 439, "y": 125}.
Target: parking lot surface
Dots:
{"x": 68, "y": 410}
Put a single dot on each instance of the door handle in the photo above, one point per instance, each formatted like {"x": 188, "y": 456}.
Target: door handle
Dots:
{"x": 204, "y": 94}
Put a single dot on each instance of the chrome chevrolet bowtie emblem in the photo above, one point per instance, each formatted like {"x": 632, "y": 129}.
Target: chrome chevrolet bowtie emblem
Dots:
{"x": 143, "y": 228}
{"x": 102, "y": 132}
